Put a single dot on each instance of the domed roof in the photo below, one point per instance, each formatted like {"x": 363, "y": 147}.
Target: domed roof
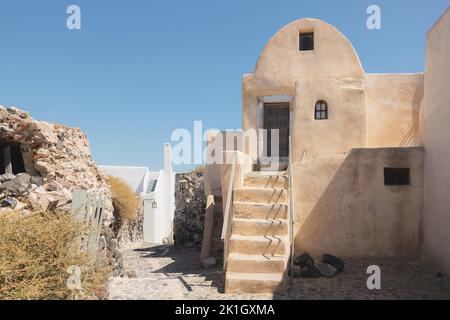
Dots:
{"x": 282, "y": 63}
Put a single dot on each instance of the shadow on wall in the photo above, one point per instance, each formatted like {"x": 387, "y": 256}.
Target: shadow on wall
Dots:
{"x": 414, "y": 135}
{"x": 344, "y": 207}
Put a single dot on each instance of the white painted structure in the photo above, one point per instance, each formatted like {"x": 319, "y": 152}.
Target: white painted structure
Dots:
{"x": 157, "y": 190}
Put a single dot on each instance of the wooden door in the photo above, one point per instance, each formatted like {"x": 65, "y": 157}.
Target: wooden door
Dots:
{"x": 276, "y": 117}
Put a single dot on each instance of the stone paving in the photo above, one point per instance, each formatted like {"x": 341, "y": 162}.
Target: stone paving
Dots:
{"x": 161, "y": 272}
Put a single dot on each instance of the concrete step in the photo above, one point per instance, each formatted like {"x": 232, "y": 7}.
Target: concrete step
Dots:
{"x": 237, "y": 282}
{"x": 258, "y": 245}
{"x": 259, "y": 227}
{"x": 260, "y": 210}
{"x": 266, "y": 180}
{"x": 256, "y": 263}
{"x": 260, "y": 195}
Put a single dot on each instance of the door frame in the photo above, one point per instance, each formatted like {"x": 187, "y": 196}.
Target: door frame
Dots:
{"x": 262, "y": 101}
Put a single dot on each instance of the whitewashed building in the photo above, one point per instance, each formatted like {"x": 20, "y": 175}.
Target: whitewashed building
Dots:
{"x": 157, "y": 190}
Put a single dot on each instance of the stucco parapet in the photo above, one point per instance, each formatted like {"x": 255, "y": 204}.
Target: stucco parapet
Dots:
{"x": 387, "y": 149}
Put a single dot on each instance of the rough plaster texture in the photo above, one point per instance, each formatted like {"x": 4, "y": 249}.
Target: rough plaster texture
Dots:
{"x": 281, "y": 63}
{"x": 347, "y": 210}
{"x": 436, "y": 116}
{"x": 343, "y": 206}
{"x": 393, "y": 109}
{"x": 365, "y": 110}
{"x": 346, "y": 125}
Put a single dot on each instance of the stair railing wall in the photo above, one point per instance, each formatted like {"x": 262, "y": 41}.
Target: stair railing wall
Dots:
{"x": 228, "y": 214}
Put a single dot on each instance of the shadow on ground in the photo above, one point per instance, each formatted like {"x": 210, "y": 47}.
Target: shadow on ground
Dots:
{"x": 186, "y": 262}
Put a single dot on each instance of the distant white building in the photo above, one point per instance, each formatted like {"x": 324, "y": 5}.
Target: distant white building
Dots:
{"x": 157, "y": 190}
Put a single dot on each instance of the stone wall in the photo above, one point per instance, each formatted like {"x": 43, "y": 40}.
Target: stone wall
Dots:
{"x": 190, "y": 206}
{"x": 56, "y": 160}
{"x": 131, "y": 231}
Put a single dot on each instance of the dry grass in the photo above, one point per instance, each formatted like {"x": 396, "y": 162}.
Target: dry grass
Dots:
{"x": 126, "y": 203}
{"x": 199, "y": 170}
{"x": 35, "y": 254}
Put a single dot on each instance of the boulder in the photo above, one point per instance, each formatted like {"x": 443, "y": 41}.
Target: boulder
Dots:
{"x": 209, "y": 262}
{"x": 310, "y": 272}
{"x": 19, "y": 186}
{"x": 304, "y": 260}
{"x": 334, "y": 261}
{"x": 326, "y": 270}
{"x": 6, "y": 177}
{"x": 297, "y": 271}
{"x": 37, "y": 181}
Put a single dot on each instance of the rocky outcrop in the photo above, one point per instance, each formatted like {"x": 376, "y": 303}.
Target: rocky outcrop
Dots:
{"x": 47, "y": 163}
{"x": 56, "y": 160}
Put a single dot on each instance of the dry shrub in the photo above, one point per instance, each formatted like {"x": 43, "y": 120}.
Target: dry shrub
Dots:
{"x": 126, "y": 203}
{"x": 199, "y": 170}
{"x": 36, "y": 252}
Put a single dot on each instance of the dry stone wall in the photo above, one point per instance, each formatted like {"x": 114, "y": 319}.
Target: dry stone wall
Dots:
{"x": 190, "y": 205}
{"x": 56, "y": 160}
{"x": 47, "y": 163}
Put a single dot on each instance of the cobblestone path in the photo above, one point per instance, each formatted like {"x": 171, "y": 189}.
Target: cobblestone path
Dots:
{"x": 159, "y": 272}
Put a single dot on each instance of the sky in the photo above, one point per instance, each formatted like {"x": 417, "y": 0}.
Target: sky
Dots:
{"x": 139, "y": 69}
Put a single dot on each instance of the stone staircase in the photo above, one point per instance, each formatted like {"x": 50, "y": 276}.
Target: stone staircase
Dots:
{"x": 258, "y": 248}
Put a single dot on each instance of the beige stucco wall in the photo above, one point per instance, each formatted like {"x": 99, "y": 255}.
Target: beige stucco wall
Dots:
{"x": 436, "y": 126}
{"x": 346, "y": 125}
{"x": 342, "y": 204}
{"x": 332, "y": 72}
{"x": 344, "y": 208}
{"x": 365, "y": 110}
{"x": 281, "y": 63}
{"x": 393, "y": 109}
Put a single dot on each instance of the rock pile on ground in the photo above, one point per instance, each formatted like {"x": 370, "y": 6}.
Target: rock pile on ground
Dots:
{"x": 305, "y": 266}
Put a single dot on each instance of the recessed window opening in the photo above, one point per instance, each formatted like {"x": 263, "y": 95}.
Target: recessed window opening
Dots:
{"x": 321, "y": 110}
{"x": 306, "y": 41}
{"x": 11, "y": 160}
{"x": 396, "y": 176}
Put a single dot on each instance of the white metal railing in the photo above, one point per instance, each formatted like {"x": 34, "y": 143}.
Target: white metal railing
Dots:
{"x": 228, "y": 214}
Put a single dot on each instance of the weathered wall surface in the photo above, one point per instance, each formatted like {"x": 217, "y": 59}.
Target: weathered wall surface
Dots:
{"x": 332, "y": 72}
{"x": 281, "y": 63}
{"x": 436, "y": 117}
{"x": 393, "y": 109}
{"x": 348, "y": 211}
{"x": 345, "y": 127}
{"x": 57, "y": 160}
{"x": 364, "y": 110}
{"x": 190, "y": 207}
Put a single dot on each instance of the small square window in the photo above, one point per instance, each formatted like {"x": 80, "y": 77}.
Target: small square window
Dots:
{"x": 396, "y": 176}
{"x": 306, "y": 41}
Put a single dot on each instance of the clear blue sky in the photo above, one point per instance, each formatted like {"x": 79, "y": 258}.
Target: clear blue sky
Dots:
{"x": 139, "y": 69}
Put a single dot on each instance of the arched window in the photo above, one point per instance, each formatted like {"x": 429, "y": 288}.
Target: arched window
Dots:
{"x": 321, "y": 110}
